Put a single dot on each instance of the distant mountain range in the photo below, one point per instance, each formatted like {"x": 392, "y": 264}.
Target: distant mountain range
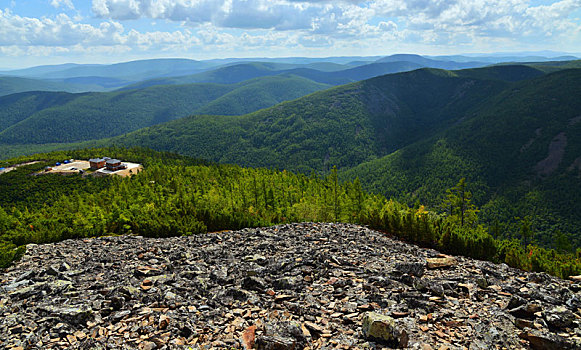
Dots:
{"x": 145, "y": 73}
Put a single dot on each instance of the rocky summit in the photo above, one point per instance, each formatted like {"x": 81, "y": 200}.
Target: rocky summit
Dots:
{"x": 298, "y": 286}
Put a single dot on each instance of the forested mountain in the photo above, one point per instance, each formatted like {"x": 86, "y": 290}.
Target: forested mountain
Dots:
{"x": 509, "y": 129}
{"x": 432, "y": 63}
{"x": 18, "y": 107}
{"x": 331, "y": 70}
{"x": 12, "y": 85}
{"x": 230, "y": 74}
{"x": 241, "y": 72}
{"x": 343, "y": 126}
{"x": 43, "y": 117}
{"x": 411, "y": 135}
{"x": 333, "y": 75}
{"x": 133, "y": 70}
{"x": 521, "y": 150}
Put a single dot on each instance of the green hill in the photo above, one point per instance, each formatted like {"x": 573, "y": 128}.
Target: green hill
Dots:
{"x": 18, "y": 107}
{"x": 229, "y": 74}
{"x": 12, "y": 85}
{"x": 133, "y": 70}
{"x": 98, "y": 115}
{"x": 38, "y": 118}
{"x": 430, "y": 62}
{"x": 510, "y": 72}
{"x": 521, "y": 151}
{"x": 412, "y": 135}
{"x": 320, "y": 73}
{"x": 259, "y": 93}
{"x": 343, "y": 126}
{"x": 511, "y": 130}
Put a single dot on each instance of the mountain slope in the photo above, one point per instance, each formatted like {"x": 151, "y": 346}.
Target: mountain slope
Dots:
{"x": 53, "y": 117}
{"x": 12, "y": 85}
{"x": 521, "y": 151}
{"x": 344, "y": 126}
{"x": 413, "y": 135}
{"x": 18, "y": 107}
{"x": 511, "y": 73}
{"x": 98, "y": 115}
{"x": 134, "y": 70}
{"x": 229, "y": 74}
{"x": 259, "y": 93}
{"x": 243, "y": 71}
{"x": 431, "y": 63}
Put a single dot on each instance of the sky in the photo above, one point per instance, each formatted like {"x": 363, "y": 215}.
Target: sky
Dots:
{"x": 37, "y": 32}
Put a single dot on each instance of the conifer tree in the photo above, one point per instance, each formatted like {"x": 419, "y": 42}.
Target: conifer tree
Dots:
{"x": 459, "y": 204}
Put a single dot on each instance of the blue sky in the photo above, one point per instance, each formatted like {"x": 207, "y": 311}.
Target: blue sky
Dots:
{"x": 34, "y": 32}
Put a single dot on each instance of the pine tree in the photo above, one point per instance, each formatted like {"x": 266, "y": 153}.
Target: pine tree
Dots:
{"x": 526, "y": 230}
{"x": 459, "y": 204}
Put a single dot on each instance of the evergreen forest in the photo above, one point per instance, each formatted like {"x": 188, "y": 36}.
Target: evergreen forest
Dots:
{"x": 177, "y": 195}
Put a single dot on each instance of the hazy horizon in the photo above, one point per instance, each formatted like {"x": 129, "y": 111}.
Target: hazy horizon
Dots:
{"x": 544, "y": 54}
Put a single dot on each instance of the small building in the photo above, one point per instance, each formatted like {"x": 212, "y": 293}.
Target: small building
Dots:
{"x": 114, "y": 165}
{"x": 97, "y": 163}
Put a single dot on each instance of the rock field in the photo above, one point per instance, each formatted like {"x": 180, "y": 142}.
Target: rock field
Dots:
{"x": 307, "y": 285}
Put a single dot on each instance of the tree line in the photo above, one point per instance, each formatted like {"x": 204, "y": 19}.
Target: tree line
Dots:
{"x": 177, "y": 195}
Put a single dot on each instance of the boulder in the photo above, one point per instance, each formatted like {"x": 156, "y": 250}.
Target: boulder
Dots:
{"x": 437, "y": 263}
{"x": 526, "y": 311}
{"x": 75, "y": 315}
{"x": 548, "y": 341}
{"x": 254, "y": 283}
{"x": 559, "y": 317}
{"x": 383, "y": 329}
{"x": 286, "y": 335}
{"x": 413, "y": 269}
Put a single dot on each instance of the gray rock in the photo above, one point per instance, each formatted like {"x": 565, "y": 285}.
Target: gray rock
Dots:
{"x": 383, "y": 329}
{"x": 526, "y": 311}
{"x": 16, "y": 285}
{"x": 75, "y": 315}
{"x": 283, "y": 336}
{"x": 413, "y": 269}
{"x": 549, "y": 341}
{"x": 559, "y": 317}
{"x": 267, "y": 342}
{"x": 28, "y": 291}
{"x": 515, "y": 301}
{"x": 254, "y": 283}
{"x": 307, "y": 284}
{"x": 287, "y": 283}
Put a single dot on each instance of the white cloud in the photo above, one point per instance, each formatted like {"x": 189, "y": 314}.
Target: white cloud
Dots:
{"x": 494, "y": 18}
{"x": 60, "y": 31}
{"x": 432, "y": 20}
{"x": 244, "y": 14}
{"x": 62, "y": 3}
{"x": 293, "y": 27}
{"x": 63, "y": 33}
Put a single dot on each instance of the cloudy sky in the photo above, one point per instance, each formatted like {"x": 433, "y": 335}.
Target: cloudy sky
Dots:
{"x": 101, "y": 31}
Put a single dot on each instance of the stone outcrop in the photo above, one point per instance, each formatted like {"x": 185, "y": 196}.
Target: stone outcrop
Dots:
{"x": 299, "y": 286}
